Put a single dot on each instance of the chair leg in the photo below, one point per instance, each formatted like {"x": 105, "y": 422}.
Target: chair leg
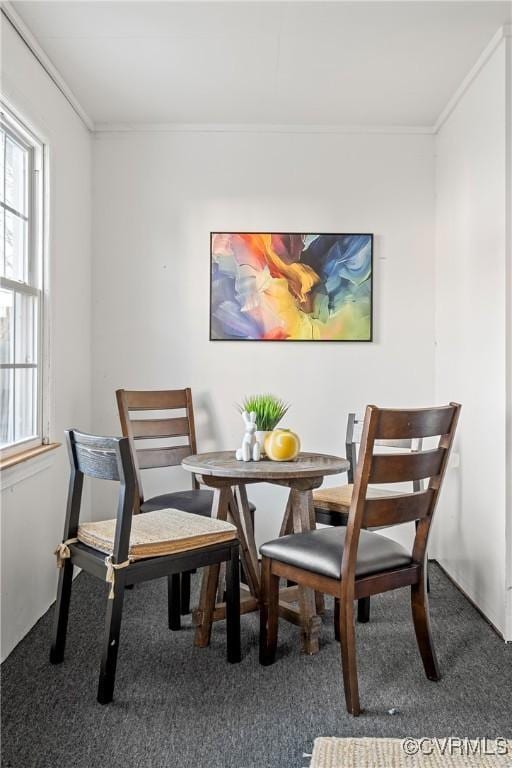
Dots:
{"x": 60, "y": 623}
{"x": 174, "y": 600}
{"x": 363, "y": 610}
{"x": 185, "y": 593}
{"x": 233, "y": 607}
{"x": 337, "y": 619}
{"x": 221, "y": 584}
{"x": 421, "y": 619}
{"x": 269, "y": 612}
{"x": 111, "y": 644}
{"x": 348, "y": 656}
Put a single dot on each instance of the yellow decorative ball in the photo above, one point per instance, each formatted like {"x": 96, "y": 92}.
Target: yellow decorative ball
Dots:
{"x": 282, "y": 445}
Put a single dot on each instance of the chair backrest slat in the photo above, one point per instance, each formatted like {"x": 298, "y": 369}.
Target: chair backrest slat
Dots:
{"x": 353, "y": 439}
{"x": 155, "y": 400}
{"x": 395, "y": 510}
{"x": 424, "y": 422}
{"x": 95, "y": 456}
{"x": 145, "y": 429}
{"x": 97, "y": 442}
{"x": 152, "y": 458}
{"x": 157, "y": 429}
{"x": 100, "y": 464}
{"x": 405, "y": 467}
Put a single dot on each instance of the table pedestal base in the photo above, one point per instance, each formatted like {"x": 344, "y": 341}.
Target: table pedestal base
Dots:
{"x": 298, "y": 518}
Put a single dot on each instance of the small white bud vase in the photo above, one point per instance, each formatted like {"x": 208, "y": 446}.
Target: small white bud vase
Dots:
{"x": 260, "y": 437}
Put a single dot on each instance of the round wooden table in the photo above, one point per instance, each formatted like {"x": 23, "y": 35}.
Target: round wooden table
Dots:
{"x": 229, "y": 478}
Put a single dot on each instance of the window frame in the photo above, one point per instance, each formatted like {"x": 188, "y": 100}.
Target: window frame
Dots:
{"x": 36, "y": 274}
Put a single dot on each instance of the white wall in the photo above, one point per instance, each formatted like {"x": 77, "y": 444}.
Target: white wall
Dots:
{"x": 471, "y": 334}
{"x": 33, "y": 509}
{"x": 156, "y": 196}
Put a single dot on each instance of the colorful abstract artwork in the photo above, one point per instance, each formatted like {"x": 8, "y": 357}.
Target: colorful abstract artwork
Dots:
{"x": 291, "y": 287}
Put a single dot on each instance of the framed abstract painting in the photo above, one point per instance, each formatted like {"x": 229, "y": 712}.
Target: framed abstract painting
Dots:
{"x": 276, "y": 286}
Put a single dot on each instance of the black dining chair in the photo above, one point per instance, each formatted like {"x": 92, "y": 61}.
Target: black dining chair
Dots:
{"x": 129, "y": 549}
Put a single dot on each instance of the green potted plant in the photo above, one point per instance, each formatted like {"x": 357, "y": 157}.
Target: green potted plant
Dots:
{"x": 269, "y": 411}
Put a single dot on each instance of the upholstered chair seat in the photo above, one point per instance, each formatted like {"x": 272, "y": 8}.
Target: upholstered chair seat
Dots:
{"x": 198, "y": 501}
{"x": 339, "y": 498}
{"x": 321, "y": 552}
{"x": 158, "y": 533}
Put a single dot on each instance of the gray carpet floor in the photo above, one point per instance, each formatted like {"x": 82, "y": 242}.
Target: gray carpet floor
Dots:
{"x": 179, "y": 706}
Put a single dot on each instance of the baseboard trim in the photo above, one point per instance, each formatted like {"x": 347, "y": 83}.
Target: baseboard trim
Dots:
{"x": 469, "y": 599}
{"x": 24, "y": 632}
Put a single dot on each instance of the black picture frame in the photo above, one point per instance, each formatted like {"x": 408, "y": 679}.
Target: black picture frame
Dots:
{"x": 300, "y": 341}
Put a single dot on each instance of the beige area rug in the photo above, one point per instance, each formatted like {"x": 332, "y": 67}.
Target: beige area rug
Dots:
{"x": 411, "y": 753}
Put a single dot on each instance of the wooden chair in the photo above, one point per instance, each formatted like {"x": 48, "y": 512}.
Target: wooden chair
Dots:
{"x": 332, "y": 504}
{"x": 197, "y": 500}
{"x": 350, "y": 563}
{"x": 127, "y": 550}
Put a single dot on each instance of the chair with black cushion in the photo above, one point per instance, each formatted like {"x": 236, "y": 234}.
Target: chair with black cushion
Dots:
{"x": 167, "y": 433}
{"x": 332, "y": 504}
{"x": 351, "y": 562}
{"x": 129, "y": 549}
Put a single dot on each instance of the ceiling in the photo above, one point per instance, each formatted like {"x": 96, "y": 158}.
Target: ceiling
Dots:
{"x": 295, "y": 63}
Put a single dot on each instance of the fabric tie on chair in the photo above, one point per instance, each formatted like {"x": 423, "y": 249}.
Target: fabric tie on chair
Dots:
{"x": 62, "y": 552}
{"x": 110, "y": 577}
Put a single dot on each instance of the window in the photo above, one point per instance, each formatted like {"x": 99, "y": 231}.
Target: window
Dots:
{"x": 21, "y": 288}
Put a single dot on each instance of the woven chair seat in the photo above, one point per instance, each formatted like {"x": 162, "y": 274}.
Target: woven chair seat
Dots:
{"x": 158, "y": 533}
{"x": 339, "y": 498}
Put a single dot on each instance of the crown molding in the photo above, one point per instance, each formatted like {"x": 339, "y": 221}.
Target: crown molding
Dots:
{"x": 501, "y": 34}
{"x": 102, "y": 128}
{"x": 30, "y": 41}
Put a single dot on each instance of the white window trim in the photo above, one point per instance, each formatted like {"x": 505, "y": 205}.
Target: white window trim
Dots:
{"x": 38, "y": 211}
{"x": 25, "y": 470}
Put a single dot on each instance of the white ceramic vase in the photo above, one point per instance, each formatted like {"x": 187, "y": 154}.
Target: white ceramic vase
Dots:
{"x": 260, "y": 437}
